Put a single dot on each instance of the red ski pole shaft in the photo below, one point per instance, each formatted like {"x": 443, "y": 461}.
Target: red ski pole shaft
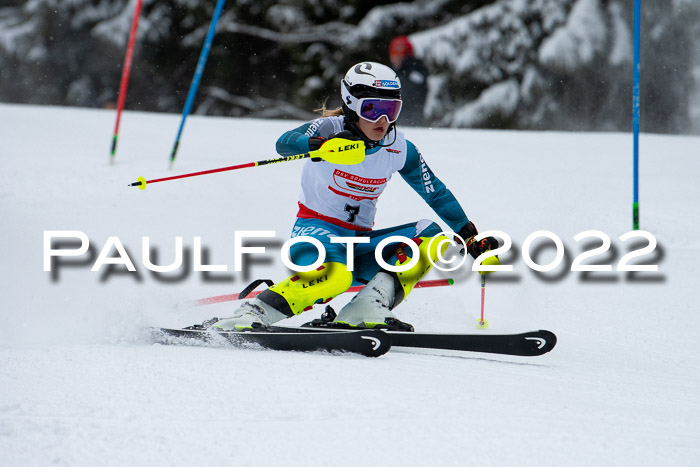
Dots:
{"x": 483, "y": 296}
{"x": 357, "y": 288}
{"x": 141, "y": 183}
{"x": 482, "y": 323}
{"x": 336, "y": 151}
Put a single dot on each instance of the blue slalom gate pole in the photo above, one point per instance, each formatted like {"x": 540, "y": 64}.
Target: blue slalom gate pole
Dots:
{"x": 198, "y": 75}
{"x": 635, "y": 113}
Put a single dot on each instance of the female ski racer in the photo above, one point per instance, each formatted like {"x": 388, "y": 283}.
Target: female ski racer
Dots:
{"x": 340, "y": 201}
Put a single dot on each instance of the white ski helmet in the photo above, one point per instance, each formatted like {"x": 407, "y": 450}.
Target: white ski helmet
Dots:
{"x": 370, "y": 90}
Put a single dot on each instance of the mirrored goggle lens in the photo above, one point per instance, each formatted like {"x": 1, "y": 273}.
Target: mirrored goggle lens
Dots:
{"x": 374, "y": 109}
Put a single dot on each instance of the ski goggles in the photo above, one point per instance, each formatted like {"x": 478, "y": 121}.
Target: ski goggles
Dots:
{"x": 372, "y": 109}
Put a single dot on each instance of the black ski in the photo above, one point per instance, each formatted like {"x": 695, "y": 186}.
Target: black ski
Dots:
{"x": 528, "y": 344}
{"x": 368, "y": 342}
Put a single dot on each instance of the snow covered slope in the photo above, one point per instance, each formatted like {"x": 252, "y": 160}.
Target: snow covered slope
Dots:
{"x": 80, "y": 385}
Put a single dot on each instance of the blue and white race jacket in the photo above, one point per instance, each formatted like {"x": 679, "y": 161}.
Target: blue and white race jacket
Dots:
{"x": 346, "y": 195}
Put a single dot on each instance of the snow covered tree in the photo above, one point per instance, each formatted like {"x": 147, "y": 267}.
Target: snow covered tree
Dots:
{"x": 537, "y": 64}
{"x": 560, "y": 64}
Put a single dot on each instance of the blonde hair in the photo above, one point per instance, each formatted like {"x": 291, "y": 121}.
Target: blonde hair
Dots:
{"x": 325, "y": 112}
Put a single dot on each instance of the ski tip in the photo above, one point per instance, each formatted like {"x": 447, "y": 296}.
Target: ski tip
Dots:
{"x": 543, "y": 341}
{"x": 552, "y": 338}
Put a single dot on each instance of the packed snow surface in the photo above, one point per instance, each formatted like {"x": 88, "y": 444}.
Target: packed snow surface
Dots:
{"x": 81, "y": 384}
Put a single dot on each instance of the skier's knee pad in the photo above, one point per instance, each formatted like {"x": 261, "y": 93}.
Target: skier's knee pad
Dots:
{"x": 430, "y": 250}
{"x": 302, "y": 290}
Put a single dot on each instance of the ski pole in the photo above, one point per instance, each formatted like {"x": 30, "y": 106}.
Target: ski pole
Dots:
{"x": 336, "y": 151}
{"x": 356, "y": 288}
{"x": 126, "y": 71}
{"x": 204, "y": 55}
{"x": 482, "y": 323}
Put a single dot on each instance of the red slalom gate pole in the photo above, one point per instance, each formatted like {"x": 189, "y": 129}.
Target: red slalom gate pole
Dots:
{"x": 356, "y": 288}
{"x": 126, "y": 71}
